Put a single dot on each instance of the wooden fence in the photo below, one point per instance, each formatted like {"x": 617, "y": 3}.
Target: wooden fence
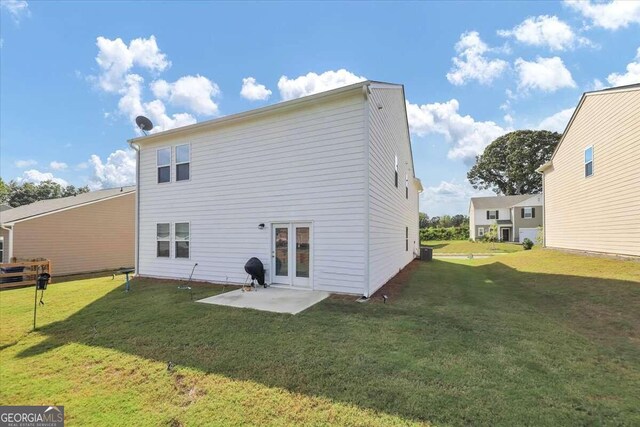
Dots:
{"x": 26, "y": 277}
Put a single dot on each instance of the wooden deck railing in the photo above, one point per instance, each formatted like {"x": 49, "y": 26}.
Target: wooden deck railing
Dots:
{"x": 28, "y": 274}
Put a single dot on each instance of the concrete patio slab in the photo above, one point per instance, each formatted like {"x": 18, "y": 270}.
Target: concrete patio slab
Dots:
{"x": 276, "y": 300}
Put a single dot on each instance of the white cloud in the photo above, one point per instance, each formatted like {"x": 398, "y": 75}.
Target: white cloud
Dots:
{"x": 314, "y": 83}
{"x": 16, "y": 8}
{"x": 631, "y": 76}
{"x": 119, "y": 170}
{"x": 547, "y": 31}
{"x": 449, "y": 198}
{"x": 82, "y": 165}
{"x": 558, "y": 121}
{"x": 546, "y": 74}
{"x": 468, "y": 136}
{"x": 25, "y": 163}
{"x": 191, "y": 92}
{"x": 117, "y": 60}
{"x": 57, "y": 166}
{"x": 37, "y": 177}
{"x": 611, "y": 16}
{"x": 254, "y": 91}
{"x": 471, "y": 62}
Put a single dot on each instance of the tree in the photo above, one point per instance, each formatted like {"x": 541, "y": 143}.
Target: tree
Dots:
{"x": 459, "y": 220}
{"x": 492, "y": 234}
{"x": 23, "y": 194}
{"x": 423, "y": 220}
{"x": 4, "y": 192}
{"x": 508, "y": 165}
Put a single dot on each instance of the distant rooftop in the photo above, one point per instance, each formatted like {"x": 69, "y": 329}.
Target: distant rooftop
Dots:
{"x": 48, "y": 206}
{"x": 497, "y": 202}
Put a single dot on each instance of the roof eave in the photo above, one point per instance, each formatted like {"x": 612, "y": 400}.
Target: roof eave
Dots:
{"x": 255, "y": 112}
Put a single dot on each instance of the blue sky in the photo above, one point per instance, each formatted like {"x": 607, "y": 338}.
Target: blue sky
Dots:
{"x": 74, "y": 74}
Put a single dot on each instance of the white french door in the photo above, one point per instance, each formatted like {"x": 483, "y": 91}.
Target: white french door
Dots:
{"x": 291, "y": 256}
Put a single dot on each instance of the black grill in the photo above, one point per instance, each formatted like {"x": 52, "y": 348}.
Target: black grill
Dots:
{"x": 255, "y": 269}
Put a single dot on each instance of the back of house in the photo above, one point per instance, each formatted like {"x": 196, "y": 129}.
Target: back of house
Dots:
{"x": 321, "y": 189}
{"x": 515, "y": 217}
{"x": 592, "y": 183}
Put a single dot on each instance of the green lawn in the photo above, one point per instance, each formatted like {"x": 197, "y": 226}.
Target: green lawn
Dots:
{"x": 467, "y": 247}
{"x": 536, "y": 337}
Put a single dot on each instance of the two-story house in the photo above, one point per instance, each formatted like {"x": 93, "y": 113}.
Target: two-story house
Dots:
{"x": 322, "y": 189}
{"x": 517, "y": 217}
{"x": 592, "y": 182}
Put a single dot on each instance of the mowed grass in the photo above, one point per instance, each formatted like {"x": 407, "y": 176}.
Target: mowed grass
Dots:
{"x": 536, "y": 337}
{"x": 467, "y": 247}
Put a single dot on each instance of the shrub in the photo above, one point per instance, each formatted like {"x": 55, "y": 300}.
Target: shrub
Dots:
{"x": 527, "y": 244}
{"x": 442, "y": 233}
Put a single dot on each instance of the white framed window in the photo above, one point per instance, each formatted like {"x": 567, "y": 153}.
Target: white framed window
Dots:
{"x": 406, "y": 239}
{"x": 182, "y": 231}
{"x": 163, "y": 240}
{"x": 406, "y": 186}
{"x": 163, "y": 162}
{"x": 588, "y": 161}
{"x": 183, "y": 162}
{"x": 492, "y": 214}
{"x": 480, "y": 231}
{"x": 527, "y": 212}
{"x": 396, "y": 175}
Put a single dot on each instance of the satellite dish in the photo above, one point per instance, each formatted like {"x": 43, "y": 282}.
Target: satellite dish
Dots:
{"x": 144, "y": 124}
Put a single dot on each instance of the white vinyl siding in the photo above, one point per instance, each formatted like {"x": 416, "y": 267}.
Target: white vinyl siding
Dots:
{"x": 389, "y": 209}
{"x": 600, "y": 213}
{"x": 297, "y": 165}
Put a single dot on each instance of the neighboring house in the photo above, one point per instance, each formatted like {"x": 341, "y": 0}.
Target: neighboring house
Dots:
{"x": 79, "y": 234}
{"x": 321, "y": 189}
{"x": 517, "y": 217}
{"x": 592, "y": 182}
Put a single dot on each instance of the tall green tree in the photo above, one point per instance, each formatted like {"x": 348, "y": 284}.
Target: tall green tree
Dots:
{"x": 508, "y": 165}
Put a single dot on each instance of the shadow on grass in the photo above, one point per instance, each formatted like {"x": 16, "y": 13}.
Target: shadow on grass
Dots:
{"x": 459, "y": 344}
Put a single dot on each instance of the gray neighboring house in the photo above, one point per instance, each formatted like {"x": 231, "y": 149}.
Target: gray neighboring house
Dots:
{"x": 517, "y": 217}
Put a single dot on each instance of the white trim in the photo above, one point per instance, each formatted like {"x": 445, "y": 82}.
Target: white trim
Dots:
{"x": 124, "y": 193}
{"x": 174, "y": 240}
{"x": 168, "y": 239}
{"x": 524, "y": 210}
{"x": 281, "y": 106}
{"x": 188, "y": 144}
{"x": 480, "y": 231}
{"x": 170, "y": 148}
{"x": 585, "y": 163}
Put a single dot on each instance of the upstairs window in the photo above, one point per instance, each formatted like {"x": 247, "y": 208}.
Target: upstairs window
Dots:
{"x": 492, "y": 214}
{"x": 182, "y": 239}
{"x": 528, "y": 213}
{"x": 406, "y": 185}
{"x": 588, "y": 162}
{"x": 183, "y": 160}
{"x": 163, "y": 161}
{"x": 396, "y": 179}
{"x": 163, "y": 240}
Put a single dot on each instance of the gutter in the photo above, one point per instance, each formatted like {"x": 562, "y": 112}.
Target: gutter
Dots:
{"x": 136, "y": 147}
{"x": 544, "y": 167}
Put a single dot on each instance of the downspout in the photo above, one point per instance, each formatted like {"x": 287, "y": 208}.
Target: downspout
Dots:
{"x": 136, "y": 147}
{"x": 367, "y": 285}
{"x": 10, "y": 230}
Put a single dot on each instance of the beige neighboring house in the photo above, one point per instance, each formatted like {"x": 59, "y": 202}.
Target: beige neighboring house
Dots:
{"x": 517, "y": 217}
{"x": 592, "y": 182}
{"x": 79, "y": 234}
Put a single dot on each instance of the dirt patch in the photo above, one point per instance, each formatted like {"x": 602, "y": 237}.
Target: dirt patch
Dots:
{"x": 394, "y": 287}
